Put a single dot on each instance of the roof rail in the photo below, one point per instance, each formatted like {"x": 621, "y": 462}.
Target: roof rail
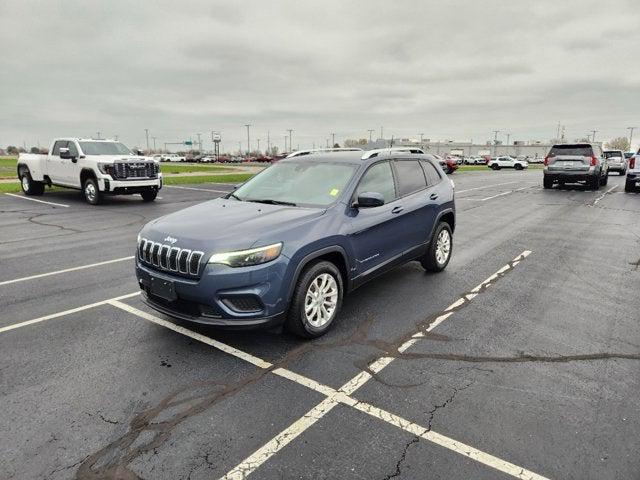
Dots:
{"x": 300, "y": 153}
{"x": 377, "y": 152}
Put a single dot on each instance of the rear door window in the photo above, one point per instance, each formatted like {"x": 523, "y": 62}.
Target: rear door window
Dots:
{"x": 430, "y": 172}
{"x": 573, "y": 150}
{"x": 379, "y": 179}
{"x": 410, "y": 177}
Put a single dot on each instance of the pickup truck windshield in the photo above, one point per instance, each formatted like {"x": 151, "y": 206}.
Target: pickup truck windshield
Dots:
{"x": 104, "y": 148}
{"x": 305, "y": 183}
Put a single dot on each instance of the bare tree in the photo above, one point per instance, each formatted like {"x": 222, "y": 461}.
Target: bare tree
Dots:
{"x": 620, "y": 143}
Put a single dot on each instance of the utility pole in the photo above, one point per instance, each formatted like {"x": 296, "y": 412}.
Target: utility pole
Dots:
{"x": 381, "y": 131}
{"x": 146, "y": 133}
{"x": 199, "y": 142}
{"x": 370, "y": 132}
{"x": 333, "y": 140}
{"x": 508, "y": 135}
{"x": 327, "y": 142}
{"x": 631, "y": 129}
{"x": 558, "y": 131}
{"x": 268, "y": 142}
{"x": 248, "y": 139}
{"x": 285, "y": 144}
{"x": 594, "y": 135}
{"x": 290, "y": 144}
{"x": 495, "y": 142}
{"x": 154, "y": 142}
{"x": 240, "y": 148}
{"x": 258, "y": 146}
{"x": 99, "y": 136}
{"x": 115, "y": 137}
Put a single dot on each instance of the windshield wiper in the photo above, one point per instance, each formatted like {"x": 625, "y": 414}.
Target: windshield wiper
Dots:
{"x": 271, "y": 202}
{"x": 233, "y": 195}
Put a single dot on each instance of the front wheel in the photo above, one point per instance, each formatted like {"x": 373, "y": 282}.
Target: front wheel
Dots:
{"x": 316, "y": 300}
{"x": 149, "y": 195}
{"x": 91, "y": 191}
{"x": 439, "y": 252}
{"x": 518, "y": 166}
{"x": 495, "y": 166}
{"x": 547, "y": 183}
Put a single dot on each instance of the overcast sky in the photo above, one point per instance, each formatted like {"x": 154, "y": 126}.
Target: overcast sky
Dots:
{"x": 450, "y": 70}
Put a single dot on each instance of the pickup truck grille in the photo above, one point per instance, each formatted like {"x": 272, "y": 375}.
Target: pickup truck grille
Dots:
{"x": 130, "y": 170}
{"x": 169, "y": 258}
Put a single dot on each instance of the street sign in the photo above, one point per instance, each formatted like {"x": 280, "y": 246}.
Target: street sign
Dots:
{"x": 215, "y": 137}
{"x": 188, "y": 142}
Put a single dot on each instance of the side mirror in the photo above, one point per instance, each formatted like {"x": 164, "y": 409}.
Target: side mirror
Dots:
{"x": 66, "y": 154}
{"x": 369, "y": 200}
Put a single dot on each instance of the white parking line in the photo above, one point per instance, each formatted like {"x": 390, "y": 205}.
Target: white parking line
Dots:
{"x": 253, "y": 461}
{"x": 66, "y": 312}
{"x": 604, "y": 194}
{"x": 66, "y": 270}
{"x": 335, "y": 397}
{"x": 501, "y": 194}
{"x": 23, "y": 197}
{"x": 486, "y": 186}
{"x": 198, "y": 189}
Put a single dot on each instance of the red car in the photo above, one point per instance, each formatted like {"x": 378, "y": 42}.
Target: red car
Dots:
{"x": 449, "y": 165}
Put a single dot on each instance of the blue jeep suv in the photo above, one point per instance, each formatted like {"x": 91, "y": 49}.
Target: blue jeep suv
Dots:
{"x": 286, "y": 246}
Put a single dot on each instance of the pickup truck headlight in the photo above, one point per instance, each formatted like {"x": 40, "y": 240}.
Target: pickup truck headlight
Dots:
{"x": 246, "y": 258}
{"x": 106, "y": 168}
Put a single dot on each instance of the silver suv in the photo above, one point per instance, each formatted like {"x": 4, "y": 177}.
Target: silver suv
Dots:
{"x": 632, "y": 182}
{"x": 576, "y": 162}
{"x": 616, "y": 160}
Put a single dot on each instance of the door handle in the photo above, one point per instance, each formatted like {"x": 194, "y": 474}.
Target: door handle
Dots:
{"x": 397, "y": 209}
{"x": 433, "y": 196}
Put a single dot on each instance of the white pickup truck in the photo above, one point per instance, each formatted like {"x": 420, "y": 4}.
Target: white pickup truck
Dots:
{"x": 97, "y": 167}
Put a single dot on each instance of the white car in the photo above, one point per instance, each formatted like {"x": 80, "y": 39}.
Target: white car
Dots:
{"x": 507, "y": 162}
{"x": 96, "y": 167}
{"x": 174, "y": 157}
{"x": 475, "y": 161}
{"x": 616, "y": 160}
{"x": 632, "y": 182}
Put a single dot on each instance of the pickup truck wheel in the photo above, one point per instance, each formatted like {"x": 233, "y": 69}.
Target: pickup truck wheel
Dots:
{"x": 91, "y": 191}
{"x": 149, "y": 196}
{"x": 437, "y": 257}
{"x": 29, "y": 186}
{"x": 316, "y": 300}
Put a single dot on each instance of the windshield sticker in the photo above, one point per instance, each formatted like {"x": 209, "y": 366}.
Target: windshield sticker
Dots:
{"x": 334, "y": 192}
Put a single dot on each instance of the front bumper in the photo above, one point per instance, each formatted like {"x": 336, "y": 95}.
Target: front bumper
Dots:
{"x": 107, "y": 184}
{"x": 223, "y": 296}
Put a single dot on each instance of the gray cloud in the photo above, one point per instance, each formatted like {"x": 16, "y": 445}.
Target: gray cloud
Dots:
{"x": 455, "y": 69}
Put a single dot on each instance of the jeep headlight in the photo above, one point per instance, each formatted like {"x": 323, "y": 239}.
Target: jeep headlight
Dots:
{"x": 246, "y": 258}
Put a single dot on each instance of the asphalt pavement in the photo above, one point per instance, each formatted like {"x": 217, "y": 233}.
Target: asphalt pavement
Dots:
{"x": 521, "y": 360}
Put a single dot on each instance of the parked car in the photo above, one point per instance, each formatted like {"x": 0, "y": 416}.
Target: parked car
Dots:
{"x": 575, "y": 162}
{"x": 628, "y": 155}
{"x": 173, "y": 157}
{"x": 286, "y": 246}
{"x": 207, "y": 159}
{"x": 632, "y": 182}
{"x": 97, "y": 167}
{"x": 616, "y": 161}
{"x": 507, "y": 162}
{"x": 475, "y": 161}
{"x": 539, "y": 160}
{"x": 447, "y": 164}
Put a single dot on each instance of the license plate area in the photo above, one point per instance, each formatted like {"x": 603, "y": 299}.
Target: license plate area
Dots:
{"x": 163, "y": 289}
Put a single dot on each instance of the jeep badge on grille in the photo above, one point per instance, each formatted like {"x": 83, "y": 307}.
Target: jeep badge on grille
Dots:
{"x": 171, "y": 240}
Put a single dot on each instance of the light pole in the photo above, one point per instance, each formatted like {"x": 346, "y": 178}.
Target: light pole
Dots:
{"x": 594, "y": 135}
{"x": 154, "y": 143}
{"x": 268, "y": 142}
{"x": 370, "y": 132}
{"x": 495, "y": 142}
{"x": 508, "y": 136}
{"x": 381, "y": 132}
{"x": 199, "y": 142}
{"x": 146, "y": 133}
{"x": 631, "y": 129}
{"x": 333, "y": 140}
{"x": 258, "y": 146}
{"x": 248, "y": 139}
{"x": 285, "y": 144}
{"x": 290, "y": 144}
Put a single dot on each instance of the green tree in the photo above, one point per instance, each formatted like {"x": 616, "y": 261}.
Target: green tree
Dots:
{"x": 12, "y": 150}
{"x": 34, "y": 150}
{"x": 620, "y": 143}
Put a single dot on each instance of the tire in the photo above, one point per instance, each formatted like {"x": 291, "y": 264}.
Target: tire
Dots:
{"x": 594, "y": 183}
{"x": 604, "y": 180}
{"x": 517, "y": 166}
{"x": 313, "y": 276}
{"x": 432, "y": 261}
{"x": 30, "y": 186}
{"x": 629, "y": 186}
{"x": 149, "y": 195}
{"x": 91, "y": 191}
{"x": 495, "y": 166}
{"x": 449, "y": 170}
{"x": 547, "y": 183}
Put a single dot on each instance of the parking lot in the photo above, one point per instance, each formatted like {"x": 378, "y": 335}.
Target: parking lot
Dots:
{"x": 520, "y": 360}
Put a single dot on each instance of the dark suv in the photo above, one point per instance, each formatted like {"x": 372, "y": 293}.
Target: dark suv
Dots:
{"x": 577, "y": 162}
{"x": 288, "y": 244}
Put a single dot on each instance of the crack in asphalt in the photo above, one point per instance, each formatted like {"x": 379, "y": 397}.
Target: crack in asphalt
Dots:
{"x": 401, "y": 460}
{"x": 112, "y": 461}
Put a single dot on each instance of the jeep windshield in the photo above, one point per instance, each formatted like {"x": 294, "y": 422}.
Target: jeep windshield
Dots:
{"x": 104, "y": 148}
{"x": 298, "y": 183}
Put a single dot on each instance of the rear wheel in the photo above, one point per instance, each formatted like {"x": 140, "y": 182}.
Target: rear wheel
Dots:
{"x": 316, "y": 300}
{"x": 149, "y": 196}
{"x": 449, "y": 170}
{"x": 495, "y": 166}
{"x": 91, "y": 191}
{"x": 594, "y": 183}
{"x": 517, "y": 166}
{"x": 604, "y": 180}
{"x": 629, "y": 186}
{"x": 437, "y": 257}
{"x": 547, "y": 182}
{"x": 30, "y": 186}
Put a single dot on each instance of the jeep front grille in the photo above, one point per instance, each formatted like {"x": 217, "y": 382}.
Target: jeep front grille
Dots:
{"x": 168, "y": 258}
